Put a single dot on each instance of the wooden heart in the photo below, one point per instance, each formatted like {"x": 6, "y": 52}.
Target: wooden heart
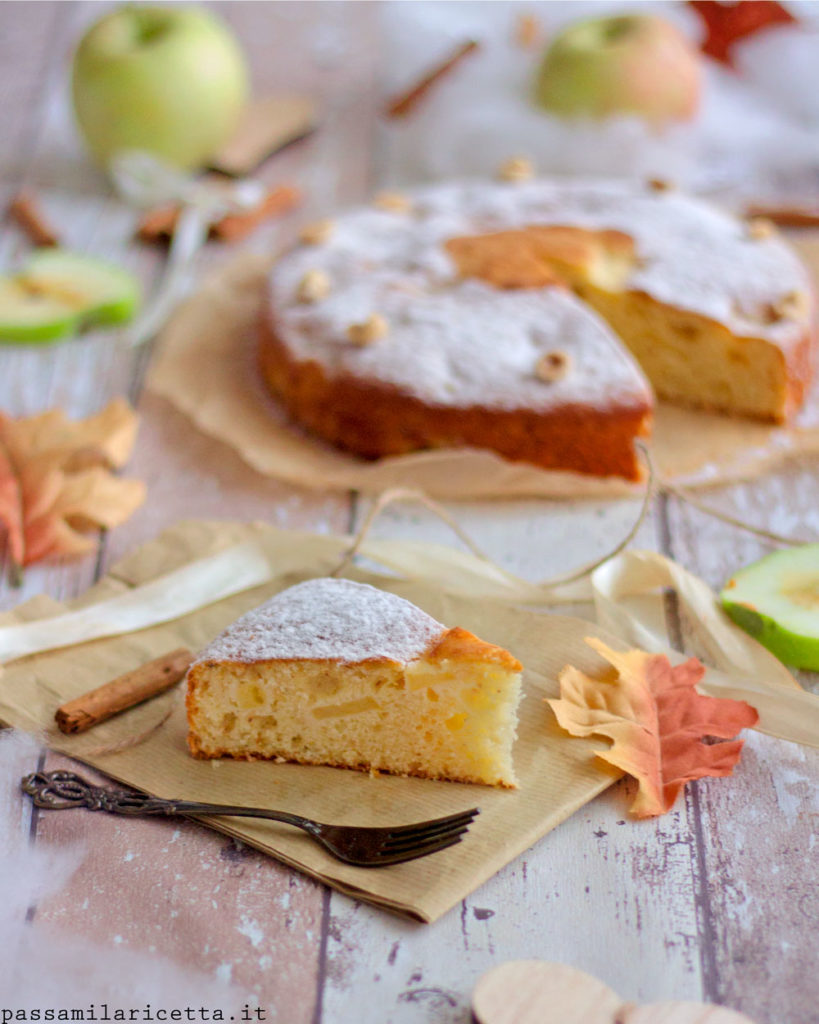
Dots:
{"x": 539, "y": 992}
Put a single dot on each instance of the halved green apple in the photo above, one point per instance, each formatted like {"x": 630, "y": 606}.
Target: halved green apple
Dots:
{"x": 101, "y": 293}
{"x": 58, "y": 292}
{"x": 28, "y": 316}
{"x": 776, "y": 600}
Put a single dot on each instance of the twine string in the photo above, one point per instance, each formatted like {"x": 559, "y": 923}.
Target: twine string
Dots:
{"x": 397, "y": 494}
{"x": 654, "y": 485}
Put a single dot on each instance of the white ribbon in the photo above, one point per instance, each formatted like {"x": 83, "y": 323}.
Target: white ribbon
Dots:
{"x": 164, "y": 599}
{"x": 144, "y": 181}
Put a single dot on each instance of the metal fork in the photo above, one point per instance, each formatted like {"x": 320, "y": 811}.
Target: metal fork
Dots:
{"x": 364, "y": 847}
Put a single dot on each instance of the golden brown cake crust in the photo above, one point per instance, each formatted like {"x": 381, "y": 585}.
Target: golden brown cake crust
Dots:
{"x": 375, "y": 420}
{"x": 459, "y": 644}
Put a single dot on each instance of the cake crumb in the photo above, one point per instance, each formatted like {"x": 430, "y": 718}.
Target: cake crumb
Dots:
{"x": 393, "y": 202}
{"x": 516, "y": 168}
{"x": 660, "y": 185}
{"x": 528, "y": 31}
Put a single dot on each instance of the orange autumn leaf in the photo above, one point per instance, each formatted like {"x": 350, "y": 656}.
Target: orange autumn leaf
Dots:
{"x": 728, "y": 23}
{"x": 657, "y": 720}
{"x": 56, "y": 480}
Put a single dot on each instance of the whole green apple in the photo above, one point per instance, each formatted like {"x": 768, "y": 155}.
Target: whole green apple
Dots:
{"x": 632, "y": 64}
{"x": 169, "y": 80}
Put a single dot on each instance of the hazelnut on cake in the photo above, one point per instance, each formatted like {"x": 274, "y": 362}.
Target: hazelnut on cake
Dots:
{"x": 439, "y": 315}
{"x": 340, "y": 673}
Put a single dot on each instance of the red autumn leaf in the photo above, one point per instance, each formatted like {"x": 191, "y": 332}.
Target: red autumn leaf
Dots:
{"x": 657, "y": 720}
{"x": 727, "y": 23}
{"x": 55, "y": 480}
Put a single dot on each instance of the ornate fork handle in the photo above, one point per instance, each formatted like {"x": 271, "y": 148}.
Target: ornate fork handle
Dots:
{"x": 59, "y": 790}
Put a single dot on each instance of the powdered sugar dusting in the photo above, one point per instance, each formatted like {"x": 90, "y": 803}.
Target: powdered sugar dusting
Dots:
{"x": 462, "y": 343}
{"x": 328, "y": 618}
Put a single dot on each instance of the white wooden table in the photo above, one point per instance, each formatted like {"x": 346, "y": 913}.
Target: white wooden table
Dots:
{"x": 717, "y": 900}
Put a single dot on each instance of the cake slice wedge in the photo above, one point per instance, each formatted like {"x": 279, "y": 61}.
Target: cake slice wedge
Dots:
{"x": 340, "y": 673}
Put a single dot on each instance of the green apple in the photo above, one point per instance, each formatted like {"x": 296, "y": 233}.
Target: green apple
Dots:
{"x": 631, "y": 64}
{"x": 31, "y": 317}
{"x": 168, "y": 80}
{"x": 101, "y": 292}
{"x": 776, "y": 600}
{"x": 58, "y": 292}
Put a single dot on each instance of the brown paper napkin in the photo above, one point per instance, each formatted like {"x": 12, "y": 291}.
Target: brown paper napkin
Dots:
{"x": 206, "y": 367}
{"x": 557, "y": 775}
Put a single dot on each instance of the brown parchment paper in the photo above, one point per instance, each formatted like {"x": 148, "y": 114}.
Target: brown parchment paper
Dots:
{"x": 557, "y": 774}
{"x": 206, "y": 367}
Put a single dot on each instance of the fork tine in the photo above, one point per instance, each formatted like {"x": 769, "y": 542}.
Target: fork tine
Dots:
{"x": 422, "y": 837}
{"x": 436, "y": 824}
{"x": 413, "y": 852}
{"x": 411, "y": 843}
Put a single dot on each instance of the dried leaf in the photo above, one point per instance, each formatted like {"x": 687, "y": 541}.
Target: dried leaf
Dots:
{"x": 727, "y": 23}
{"x": 657, "y": 720}
{"x": 55, "y": 480}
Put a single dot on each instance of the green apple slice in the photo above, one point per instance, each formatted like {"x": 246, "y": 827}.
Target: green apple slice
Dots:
{"x": 99, "y": 292}
{"x": 776, "y": 600}
{"x": 31, "y": 316}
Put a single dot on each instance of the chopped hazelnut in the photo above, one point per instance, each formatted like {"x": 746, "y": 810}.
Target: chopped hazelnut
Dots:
{"x": 518, "y": 168}
{"x": 760, "y": 227}
{"x": 317, "y": 233}
{"x": 659, "y": 185}
{"x": 393, "y": 202}
{"x": 553, "y": 366}
{"x": 793, "y": 306}
{"x": 372, "y": 329}
{"x": 313, "y": 287}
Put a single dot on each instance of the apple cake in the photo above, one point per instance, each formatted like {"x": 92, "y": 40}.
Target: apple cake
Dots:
{"x": 534, "y": 318}
{"x": 339, "y": 673}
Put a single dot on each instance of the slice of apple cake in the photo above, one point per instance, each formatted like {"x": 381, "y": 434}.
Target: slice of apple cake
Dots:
{"x": 340, "y": 673}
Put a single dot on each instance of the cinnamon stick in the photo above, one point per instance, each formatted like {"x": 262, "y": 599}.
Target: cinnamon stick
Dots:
{"x": 237, "y": 226}
{"x": 787, "y": 216}
{"x": 25, "y": 210}
{"x": 406, "y": 102}
{"x": 123, "y": 692}
{"x": 159, "y": 225}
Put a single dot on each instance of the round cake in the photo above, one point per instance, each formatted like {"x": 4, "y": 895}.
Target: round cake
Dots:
{"x": 536, "y": 319}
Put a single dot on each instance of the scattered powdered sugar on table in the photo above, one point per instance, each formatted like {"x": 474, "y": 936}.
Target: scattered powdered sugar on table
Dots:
{"x": 328, "y": 619}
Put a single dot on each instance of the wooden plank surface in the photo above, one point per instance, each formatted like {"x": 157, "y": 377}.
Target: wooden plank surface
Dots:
{"x": 717, "y": 900}
{"x": 758, "y": 901}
